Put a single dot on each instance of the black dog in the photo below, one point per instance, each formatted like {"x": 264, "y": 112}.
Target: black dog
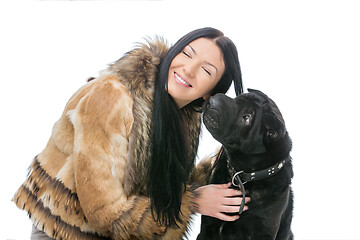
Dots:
{"x": 256, "y": 148}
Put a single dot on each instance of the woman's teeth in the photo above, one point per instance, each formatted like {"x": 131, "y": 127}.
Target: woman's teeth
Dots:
{"x": 182, "y": 81}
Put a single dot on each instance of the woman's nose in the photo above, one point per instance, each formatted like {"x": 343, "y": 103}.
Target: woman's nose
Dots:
{"x": 190, "y": 69}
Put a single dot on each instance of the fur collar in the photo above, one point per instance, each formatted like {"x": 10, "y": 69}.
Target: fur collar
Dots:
{"x": 137, "y": 70}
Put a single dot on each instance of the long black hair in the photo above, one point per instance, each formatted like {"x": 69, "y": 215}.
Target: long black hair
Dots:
{"x": 172, "y": 160}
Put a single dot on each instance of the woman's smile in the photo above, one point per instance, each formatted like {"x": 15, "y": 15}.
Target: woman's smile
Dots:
{"x": 195, "y": 71}
{"x": 180, "y": 80}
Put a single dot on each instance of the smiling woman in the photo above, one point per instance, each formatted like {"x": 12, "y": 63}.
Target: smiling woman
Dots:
{"x": 195, "y": 71}
{"x": 185, "y": 61}
{"x": 120, "y": 159}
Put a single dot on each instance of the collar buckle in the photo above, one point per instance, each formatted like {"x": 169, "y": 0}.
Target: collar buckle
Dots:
{"x": 233, "y": 180}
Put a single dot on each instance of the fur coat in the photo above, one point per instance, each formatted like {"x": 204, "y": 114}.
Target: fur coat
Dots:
{"x": 89, "y": 182}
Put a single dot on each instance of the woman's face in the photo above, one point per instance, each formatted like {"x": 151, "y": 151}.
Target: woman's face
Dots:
{"x": 195, "y": 71}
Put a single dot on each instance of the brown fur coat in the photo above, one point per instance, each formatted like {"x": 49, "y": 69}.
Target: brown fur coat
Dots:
{"x": 89, "y": 183}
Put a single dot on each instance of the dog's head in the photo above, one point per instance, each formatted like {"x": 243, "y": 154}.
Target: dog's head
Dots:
{"x": 250, "y": 123}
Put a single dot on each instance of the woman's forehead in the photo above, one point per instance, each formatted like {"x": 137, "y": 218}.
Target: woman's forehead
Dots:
{"x": 208, "y": 51}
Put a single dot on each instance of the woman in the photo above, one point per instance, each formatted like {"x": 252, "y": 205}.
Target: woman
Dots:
{"x": 119, "y": 160}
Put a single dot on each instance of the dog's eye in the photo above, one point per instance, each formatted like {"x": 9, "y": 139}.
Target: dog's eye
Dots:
{"x": 246, "y": 118}
{"x": 272, "y": 134}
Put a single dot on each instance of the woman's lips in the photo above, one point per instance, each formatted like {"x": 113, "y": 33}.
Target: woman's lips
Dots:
{"x": 181, "y": 81}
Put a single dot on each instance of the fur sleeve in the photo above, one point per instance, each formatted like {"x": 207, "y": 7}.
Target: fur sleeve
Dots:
{"x": 203, "y": 170}
{"x": 102, "y": 123}
{"x": 138, "y": 222}
{"x": 200, "y": 175}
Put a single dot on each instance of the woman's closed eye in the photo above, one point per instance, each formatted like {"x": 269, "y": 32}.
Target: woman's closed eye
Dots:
{"x": 207, "y": 71}
{"x": 186, "y": 54}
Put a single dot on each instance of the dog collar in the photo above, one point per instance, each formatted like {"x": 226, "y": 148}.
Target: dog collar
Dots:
{"x": 253, "y": 176}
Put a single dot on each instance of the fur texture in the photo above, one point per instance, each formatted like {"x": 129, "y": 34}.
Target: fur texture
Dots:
{"x": 90, "y": 182}
{"x": 253, "y": 134}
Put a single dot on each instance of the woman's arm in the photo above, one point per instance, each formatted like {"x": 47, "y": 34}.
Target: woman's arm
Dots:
{"x": 102, "y": 122}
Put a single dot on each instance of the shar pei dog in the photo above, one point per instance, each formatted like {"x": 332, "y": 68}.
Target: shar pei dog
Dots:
{"x": 255, "y": 156}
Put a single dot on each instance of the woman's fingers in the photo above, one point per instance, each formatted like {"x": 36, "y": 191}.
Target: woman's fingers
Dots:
{"x": 222, "y": 186}
{"x": 232, "y": 208}
{"x": 235, "y": 200}
{"x": 225, "y": 217}
{"x": 229, "y": 192}
{"x": 229, "y": 209}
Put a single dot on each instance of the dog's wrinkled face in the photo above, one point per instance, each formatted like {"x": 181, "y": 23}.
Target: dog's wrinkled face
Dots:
{"x": 248, "y": 123}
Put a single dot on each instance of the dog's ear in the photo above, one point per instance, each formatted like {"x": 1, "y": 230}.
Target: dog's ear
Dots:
{"x": 273, "y": 123}
{"x": 271, "y": 105}
{"x": 258, "y": 92}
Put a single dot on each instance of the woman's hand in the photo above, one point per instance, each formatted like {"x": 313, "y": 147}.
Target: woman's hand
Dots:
{"x": 217, "y": 199}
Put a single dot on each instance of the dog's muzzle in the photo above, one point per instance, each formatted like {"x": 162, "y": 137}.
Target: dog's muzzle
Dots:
{"x": 211, "y": 118}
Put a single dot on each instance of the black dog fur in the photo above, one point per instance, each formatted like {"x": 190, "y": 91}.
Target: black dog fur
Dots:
{"x": 252, "y": 132}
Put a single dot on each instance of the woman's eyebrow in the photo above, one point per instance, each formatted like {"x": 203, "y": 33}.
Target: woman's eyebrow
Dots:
{"x": 205, "y": 61}
{"x": 211, "y": 65}
{"x": 192, "y": 49}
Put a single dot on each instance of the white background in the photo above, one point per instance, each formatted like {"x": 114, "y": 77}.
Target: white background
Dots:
{"x": 304, "y": 54}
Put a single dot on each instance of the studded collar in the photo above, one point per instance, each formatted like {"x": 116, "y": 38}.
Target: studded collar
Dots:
{"x": 253, "y": 176}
